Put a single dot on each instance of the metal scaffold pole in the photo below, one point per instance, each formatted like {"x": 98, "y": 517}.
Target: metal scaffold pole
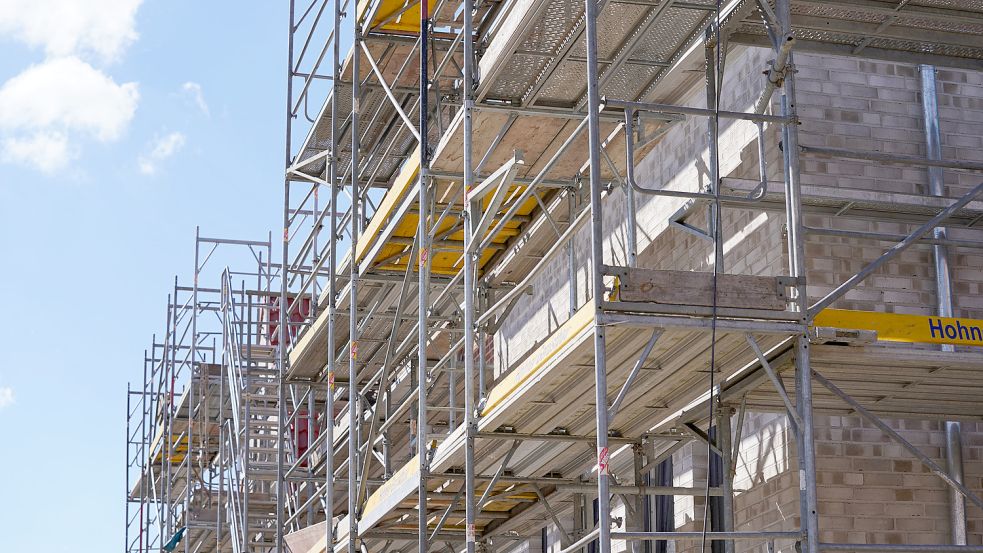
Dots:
{"x": 247, "y": 413}
{"x": 353, "y": 399}
{"x": 126, "y": 512}
{"x": 145, "y": 413}
{"x": 222, "y": 460}
{"x": 170, "y": 381}
{"x": 423, "y": 234}
{"x": 943, "y": 291}
{"x": 189, "y": 455}
{"x": 470, "y": 259}
{"x": 283, "y": 333}
{"x": 797, "y": 270}
{"x": 329, "y": 415}
{"x": 597, "y": 281}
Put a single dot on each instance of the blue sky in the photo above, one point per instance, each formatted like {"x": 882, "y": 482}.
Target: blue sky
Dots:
{"x": 123, "y": 124}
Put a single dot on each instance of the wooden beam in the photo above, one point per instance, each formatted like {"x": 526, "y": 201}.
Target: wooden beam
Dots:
{"x": 697, "y": 288}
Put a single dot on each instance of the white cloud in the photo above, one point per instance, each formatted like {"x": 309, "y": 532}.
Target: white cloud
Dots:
{"x": 163, "y": 148}
{"x": 47, "y": 108}
{"x": 48, "y": 151}
{"x": 193, "y": 90}
{"x": 67, "y": 94}
{"x": 47, "y": 105}
{"x": 69, "y": 27}
{"x": 6, "y": 396}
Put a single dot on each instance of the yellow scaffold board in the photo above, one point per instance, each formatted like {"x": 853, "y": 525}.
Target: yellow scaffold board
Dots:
{"x": 395, "y": 15}
{"x": 404, "y": 182}
{"x": 896, "y": 327}
{"x": 178, "y": 448}
{"x": 395, "y": 226}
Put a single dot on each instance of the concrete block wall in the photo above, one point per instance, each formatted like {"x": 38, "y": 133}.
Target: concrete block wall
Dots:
{"x": 844, "y": 103}
{"x": 870, "y": 489}
{"x": 678, "y": 163}
{"x": 961, "y": 124}
{"x": 765, "y": 483}
{"x": 973, "y": 476}
{"x": 855, "y": 104}
{"x": 876, "y": 106}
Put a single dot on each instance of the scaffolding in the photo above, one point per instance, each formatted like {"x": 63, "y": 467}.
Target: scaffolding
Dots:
{"x": 202, "y": 431}
{"x": 464, "y": 152}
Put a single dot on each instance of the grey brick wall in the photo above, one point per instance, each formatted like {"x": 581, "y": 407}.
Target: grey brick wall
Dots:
{"x": 870, "y": 489}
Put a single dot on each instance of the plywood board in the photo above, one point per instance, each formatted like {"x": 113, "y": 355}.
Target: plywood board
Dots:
{"x": 700, "y": 288}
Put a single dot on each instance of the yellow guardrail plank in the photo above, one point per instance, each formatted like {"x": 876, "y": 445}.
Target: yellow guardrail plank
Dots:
{"x": 404, "y": 181}
{"x": 897, "y": 327}
{"x": 564, "y": 335}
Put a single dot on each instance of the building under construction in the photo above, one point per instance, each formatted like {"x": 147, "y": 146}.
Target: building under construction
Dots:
{"x": 588, "y": 276}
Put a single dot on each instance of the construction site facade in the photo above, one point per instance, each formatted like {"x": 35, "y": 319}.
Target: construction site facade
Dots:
{"x": 586, "y": 277}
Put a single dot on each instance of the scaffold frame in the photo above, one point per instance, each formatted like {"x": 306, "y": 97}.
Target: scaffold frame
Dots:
{"x": 439, "y": 209}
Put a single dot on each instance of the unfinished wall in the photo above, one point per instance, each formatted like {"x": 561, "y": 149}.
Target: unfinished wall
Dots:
{"x": 870, "y": 489}
{"x": 678, "y": 163}
{"x": 876, "y": 106}
{"x": 843, "y": 103}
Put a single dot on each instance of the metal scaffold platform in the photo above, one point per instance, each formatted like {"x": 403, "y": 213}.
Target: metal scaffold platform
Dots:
{"x": 473, "y": 329}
